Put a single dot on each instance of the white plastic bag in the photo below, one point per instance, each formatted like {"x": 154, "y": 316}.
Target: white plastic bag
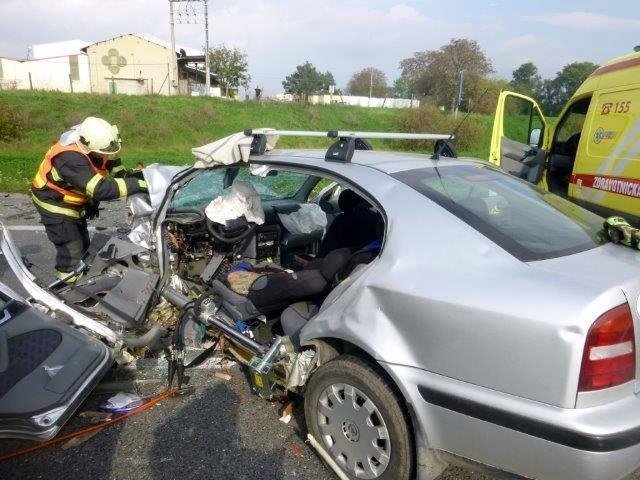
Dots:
{"x": 242, "y": 199}
{"x": 308, "y": 218}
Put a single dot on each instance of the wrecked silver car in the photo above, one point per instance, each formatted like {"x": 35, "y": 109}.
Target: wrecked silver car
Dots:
{"x": 430, "y": 310}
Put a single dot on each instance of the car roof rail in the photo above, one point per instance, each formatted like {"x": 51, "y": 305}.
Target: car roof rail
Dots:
{"x": 346, "y": 143}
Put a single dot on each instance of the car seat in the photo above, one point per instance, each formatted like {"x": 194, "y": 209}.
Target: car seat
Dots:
{"x": 343, "y": 263}
{"x": 353, "y": 228}
{"x": 272, "y": 292}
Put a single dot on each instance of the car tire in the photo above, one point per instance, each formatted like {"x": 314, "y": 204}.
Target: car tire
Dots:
{"x": 336, "y": 416}
{"x": 614, "y": 235}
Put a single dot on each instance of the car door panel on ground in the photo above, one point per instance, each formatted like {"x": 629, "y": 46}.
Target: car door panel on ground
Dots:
{"x": 47, "y": 369}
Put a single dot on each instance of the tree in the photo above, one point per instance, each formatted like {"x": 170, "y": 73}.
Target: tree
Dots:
{"x": 435, "y": 73}
{"x": 402, "y": 87}
{"x": 482, "y": 96}
{"x": 557, "y": 92}
{"x": 361, "y": 82}
{"x": 230, "y": 66}
{"x": 525, "y": 80}
{"x": 551, "y": 98}
{"x": 572, "y": 76}
{"x": 307, "y": 80}
{"x": 525, "y": 73}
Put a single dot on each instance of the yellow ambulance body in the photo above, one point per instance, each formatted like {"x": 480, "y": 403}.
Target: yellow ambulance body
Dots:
{"x": 592, "y": 153}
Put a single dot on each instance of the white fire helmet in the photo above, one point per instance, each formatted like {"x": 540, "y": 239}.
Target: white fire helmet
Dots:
{"x": 98, "y": 135}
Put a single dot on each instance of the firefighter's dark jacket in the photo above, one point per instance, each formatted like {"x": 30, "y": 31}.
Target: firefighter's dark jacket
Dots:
{"x": 69, "y": 182}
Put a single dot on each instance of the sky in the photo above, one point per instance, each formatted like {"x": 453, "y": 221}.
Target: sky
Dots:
{"x": 344, "y": 36}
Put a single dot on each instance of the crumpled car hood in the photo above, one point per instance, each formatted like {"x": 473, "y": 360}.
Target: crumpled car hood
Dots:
{"x": 142, "y": 208}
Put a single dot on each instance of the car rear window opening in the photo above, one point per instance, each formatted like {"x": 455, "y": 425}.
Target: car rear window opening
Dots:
{"x": 527, "y": 222}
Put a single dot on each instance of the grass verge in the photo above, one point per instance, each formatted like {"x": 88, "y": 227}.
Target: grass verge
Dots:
{"x": 164, "y": 129}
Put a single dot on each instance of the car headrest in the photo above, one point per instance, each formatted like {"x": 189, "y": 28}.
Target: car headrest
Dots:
{"x": 350, "y": 200}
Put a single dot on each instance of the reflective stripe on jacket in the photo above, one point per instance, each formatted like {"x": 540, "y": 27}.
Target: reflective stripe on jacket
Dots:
{"x": 48, "y": 177}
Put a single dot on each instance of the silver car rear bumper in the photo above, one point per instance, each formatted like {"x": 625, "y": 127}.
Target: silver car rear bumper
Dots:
{"x": 522, "y": 437}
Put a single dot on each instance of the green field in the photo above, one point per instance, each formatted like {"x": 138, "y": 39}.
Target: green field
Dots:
{"x": 164, "y": 129}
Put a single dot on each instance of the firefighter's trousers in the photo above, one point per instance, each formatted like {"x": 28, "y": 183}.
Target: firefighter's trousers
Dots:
{"x": 71, "y": 239}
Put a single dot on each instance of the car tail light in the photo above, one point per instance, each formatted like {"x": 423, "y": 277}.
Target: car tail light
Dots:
{"x": 609, "y": 357}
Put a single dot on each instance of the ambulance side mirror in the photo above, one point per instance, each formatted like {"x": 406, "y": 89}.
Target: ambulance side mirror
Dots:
{"x": 534, "y": 137}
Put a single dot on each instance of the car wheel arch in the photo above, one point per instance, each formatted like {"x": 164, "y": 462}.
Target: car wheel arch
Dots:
{"x": 426, "y": 460}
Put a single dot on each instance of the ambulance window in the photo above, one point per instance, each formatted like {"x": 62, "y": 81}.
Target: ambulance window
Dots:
{"x": 520, "y": 119}
{"x": 572, "y": 122}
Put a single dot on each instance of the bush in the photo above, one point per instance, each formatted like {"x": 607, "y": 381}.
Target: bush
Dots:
{"x": 11, "y": 125}
{"x": 429, "y": 119}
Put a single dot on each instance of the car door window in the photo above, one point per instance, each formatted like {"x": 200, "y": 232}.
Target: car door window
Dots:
{"x": 565, "y": 146}
{"x": 570, "y": 125}
{"x": 521, "y": 119}
{"x": 522, "y": 136}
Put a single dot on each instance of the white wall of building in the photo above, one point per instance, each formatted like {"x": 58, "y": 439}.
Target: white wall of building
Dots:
{"x": 363, "y": 101}
{"x": 51, "y": 73}
{"x": 56, "y": 49}
{"x": 10, "y": 73}
{"x": 131, "y": 65}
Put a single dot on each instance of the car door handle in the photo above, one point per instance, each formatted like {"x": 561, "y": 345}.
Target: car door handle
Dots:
{"x": 530, "y": 156}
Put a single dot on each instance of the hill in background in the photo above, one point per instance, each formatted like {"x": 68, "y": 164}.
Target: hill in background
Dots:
{"x": 164, "y": 129}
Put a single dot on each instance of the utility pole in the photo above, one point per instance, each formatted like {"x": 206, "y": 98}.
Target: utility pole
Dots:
{"x": 206, "y": 48}
{"x": 370, "y": 84}
{"x": 185, "y": 9}
{"x": 458, "y": 99}
{"x": 174, "y": 58}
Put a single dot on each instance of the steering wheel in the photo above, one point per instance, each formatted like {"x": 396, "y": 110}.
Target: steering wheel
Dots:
{"x": 229, "y": 234}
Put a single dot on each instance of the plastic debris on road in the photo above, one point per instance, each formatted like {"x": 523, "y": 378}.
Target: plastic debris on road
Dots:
{"x": 287, "y": 412}
{"x": 122, "y": 402}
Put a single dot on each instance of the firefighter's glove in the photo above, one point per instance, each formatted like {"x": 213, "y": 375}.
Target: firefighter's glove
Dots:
{"x": 132, "y": 173}
{"x": 92, "y": 211}
{"x": 142, "y": 185}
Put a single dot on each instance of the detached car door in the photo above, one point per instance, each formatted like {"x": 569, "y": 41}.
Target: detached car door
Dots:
{"x": 517, "y": 139}
{"x": 47, "y": 369}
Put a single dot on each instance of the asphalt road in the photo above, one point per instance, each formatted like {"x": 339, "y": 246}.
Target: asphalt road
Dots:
{"x": 221, "y": 431}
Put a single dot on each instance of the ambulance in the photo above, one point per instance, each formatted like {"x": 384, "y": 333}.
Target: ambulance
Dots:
{"x": 591, "y": 155}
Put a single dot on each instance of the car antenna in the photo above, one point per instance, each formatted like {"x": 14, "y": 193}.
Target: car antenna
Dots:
{"x": 444, "y": 147}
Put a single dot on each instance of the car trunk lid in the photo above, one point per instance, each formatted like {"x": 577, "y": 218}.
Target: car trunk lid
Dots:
{"x": 608, "y": 269}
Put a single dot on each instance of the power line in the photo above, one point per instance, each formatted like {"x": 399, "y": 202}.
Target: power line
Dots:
{"x": 186, "y": 12}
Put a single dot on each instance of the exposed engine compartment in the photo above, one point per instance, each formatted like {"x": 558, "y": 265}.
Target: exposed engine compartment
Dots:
{"x": 181, "y": 279}
{"x": 191, "y": 304}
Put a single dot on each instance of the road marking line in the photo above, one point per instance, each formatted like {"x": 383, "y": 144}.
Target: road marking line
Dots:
{"x": 40, "y": 228}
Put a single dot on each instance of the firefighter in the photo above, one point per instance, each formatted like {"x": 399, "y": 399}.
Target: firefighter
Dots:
{"x": 77, "y": 173}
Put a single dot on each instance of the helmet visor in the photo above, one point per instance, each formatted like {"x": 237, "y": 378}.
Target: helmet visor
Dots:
{"x": 113, "y": 147}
